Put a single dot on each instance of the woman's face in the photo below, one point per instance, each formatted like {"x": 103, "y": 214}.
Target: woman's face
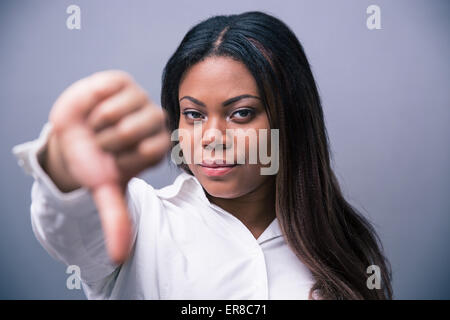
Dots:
{"x": 204, "y": 96}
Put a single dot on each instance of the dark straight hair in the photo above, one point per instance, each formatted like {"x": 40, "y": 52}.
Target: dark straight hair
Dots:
{"x": 324, "y": 231}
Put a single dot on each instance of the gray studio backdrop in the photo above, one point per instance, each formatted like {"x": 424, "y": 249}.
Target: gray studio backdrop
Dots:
{"x": 385, "y": 97}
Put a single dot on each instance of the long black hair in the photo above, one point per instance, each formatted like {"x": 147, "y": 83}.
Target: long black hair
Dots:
{"x": 325, "y": 232}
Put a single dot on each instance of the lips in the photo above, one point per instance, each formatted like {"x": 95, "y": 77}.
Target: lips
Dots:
{"x": 214, "y": 168}
{"x": 216, "y": 164}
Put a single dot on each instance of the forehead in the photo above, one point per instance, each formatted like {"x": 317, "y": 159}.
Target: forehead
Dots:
{"x": 217, "y": 78}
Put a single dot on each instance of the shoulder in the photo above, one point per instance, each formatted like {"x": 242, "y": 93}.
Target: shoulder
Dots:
{"x": 173, "y": 200}
{"x": 140, "y": 190}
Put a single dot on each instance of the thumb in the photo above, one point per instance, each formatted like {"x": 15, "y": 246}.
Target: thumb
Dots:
{"x": 115, "y": 220}
{"x": 97, "y": 170}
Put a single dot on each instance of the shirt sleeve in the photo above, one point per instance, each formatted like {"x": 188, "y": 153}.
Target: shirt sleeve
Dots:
{"x": 67, "y": 224}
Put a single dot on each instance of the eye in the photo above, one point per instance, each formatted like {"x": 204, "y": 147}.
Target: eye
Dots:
{"x": 242, "y": 114}
{"x": 193, "y": 115}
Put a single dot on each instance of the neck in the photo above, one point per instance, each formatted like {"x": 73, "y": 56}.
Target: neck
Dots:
{"x": 256, "y": 210}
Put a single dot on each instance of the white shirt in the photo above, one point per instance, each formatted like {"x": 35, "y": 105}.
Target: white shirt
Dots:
{"x": 185, "y": 247}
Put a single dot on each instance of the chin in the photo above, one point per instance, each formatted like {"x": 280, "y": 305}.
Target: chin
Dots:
{"x": 220, "y": 188}
{"x": 229, "y": 186}
{"x": 223, "y": 194}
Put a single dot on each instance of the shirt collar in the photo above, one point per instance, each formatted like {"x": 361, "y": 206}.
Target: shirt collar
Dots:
{"x": 271, "y": 232}
{"x": 189, "y": 183}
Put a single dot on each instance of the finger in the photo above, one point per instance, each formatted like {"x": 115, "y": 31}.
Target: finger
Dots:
{"x": 130, "y": 130}
{"x": 77, "y": 100}
{"x": 147, "y": 153}
{"x": 86, "y": 162}
{"x": 114, "y": 217}
{"x": 111, "y": 110}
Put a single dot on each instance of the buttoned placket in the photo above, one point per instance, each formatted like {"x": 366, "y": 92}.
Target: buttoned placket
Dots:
{"x": 261, "y": 281}
{"x": 261, "y": 284}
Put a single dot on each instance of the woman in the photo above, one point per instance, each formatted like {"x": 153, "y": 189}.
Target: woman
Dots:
{"x": 292, "y": 231}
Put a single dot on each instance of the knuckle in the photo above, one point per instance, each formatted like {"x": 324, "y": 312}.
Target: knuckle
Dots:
{"x": 146, "y": 117}
{"x": 97, "y": 92}
{"x": 153, "y": 116}
{"x": 102, "y": 81}
{"x": 112, "y": 74}
{"x": 125, "y": 131}
{"x": 155, "y": 147}
{"x": 146, "y": 147}
{"x": 122, "y": 75}
{"x": 106, "y": 114}
{"x": 118, "y": 76}
{"x": 94, "y": 87}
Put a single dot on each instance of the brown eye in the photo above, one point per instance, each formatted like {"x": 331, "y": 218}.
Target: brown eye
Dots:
{"x": 242, "y": 114}
{"x": 192, "y": 115}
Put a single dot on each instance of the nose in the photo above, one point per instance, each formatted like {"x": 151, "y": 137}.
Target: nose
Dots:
{"x": 214, "y": 135}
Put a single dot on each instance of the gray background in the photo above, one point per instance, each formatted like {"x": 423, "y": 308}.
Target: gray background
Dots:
{"x": 385, "y": 97}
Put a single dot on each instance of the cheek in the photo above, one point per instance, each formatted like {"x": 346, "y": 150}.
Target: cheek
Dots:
{"x": 253, "y": 145}
{"x": 187, "y": 144}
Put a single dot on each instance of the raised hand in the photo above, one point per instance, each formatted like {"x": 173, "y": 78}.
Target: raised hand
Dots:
{"x": 105, "y": 131}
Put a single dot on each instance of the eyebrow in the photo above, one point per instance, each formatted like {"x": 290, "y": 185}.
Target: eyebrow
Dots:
{"x": 225, "y": 103}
